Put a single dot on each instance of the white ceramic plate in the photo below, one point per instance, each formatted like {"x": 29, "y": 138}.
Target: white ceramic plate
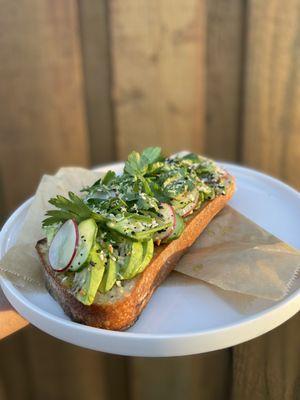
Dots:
{"x": 184, "y": 316}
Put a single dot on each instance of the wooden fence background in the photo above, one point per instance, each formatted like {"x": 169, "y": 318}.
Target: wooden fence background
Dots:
{"x": 83, "y": 82}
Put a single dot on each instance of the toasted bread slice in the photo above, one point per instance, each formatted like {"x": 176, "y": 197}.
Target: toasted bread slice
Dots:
{"x": 119, "y": 308}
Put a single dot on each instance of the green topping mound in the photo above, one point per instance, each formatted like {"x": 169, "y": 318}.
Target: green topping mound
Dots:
{"x": 127, "y": 209}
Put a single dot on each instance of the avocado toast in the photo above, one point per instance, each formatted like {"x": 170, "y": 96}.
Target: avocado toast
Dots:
{"x": 106, "y": 251}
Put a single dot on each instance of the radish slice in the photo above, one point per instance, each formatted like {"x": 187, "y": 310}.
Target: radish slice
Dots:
{"x": 168, "y": 214}
{"x": 63, "y": 246}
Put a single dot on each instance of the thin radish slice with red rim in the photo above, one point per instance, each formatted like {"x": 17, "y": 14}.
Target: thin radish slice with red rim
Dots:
{"x": 168, "y": 215}
{"x": 63, "y": 246}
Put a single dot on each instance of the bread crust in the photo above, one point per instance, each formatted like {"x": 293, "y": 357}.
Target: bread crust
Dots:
{"x": 121, "y": 314}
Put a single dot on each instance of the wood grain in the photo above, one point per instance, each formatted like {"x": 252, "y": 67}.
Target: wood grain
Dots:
{"x": 15, "y": 371}
{"x": 224, "y": 77}
{"x": 42, "y": 120}
{"x": 117, "y": 377}
{"x": 272, "y": 89}
{"x": 205, "y": 377}
{"x": 268, "y": 368}
{"x": 42, "y": 128}
{"x": 81, "y": 371}
{"x": 95, "y": 44}
{"x": 158, "y": 51}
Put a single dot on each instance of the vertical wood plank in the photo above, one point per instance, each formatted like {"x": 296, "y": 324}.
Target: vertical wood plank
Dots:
{"x": 205, "y": 377}
{"x": 117, "y": 376}
{"x": 81, "y": 371}
{"x": 225, "y": 56}
{"x": 95, "y": 44}
{"x": 42, "y": 117}
{"x": 15, "y": 373}
{"x": 272, "y": 89}
{"x": 42, "y": 127}
{"x": 2, "y": 202}
{"x": 158, "y": 51}
{"x": 268, "y": 368}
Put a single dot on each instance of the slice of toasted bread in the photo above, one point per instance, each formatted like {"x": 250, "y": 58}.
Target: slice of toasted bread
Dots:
{"x": 119, "y": 308}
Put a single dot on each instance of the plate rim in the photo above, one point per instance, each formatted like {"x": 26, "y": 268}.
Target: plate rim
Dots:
{"x": 7, "y": 286}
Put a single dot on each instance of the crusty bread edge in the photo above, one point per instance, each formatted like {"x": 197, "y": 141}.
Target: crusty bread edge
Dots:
{"x": 122, "y": 314}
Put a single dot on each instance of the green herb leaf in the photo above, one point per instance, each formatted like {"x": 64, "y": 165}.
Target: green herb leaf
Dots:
{"x": 151, "y": 155}
{"x": 155, "y": 168}
{"x": 191, "y": 156}
{"x": 91, "y": 188}
{"x": 146, "y": 186}
{"x": 137, "y": 164}
{"x": 72, "y": 208}
{"x": 158, "y": 193}
{"x": 108, "y": 177}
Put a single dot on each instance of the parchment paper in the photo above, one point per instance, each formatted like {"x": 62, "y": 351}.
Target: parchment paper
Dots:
{"x": 232, "y": 253}
{"x": 21, "y": 263}
{"x": 235, "y": 254}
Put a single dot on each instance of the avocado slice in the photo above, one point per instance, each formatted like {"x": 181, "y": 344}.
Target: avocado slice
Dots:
{"x": 110, "y": 276}
{"x": 136, "y": 228}
{"x": 87, "y": 234}
{"x": 186, "y": 202}
{"x": 87, "y": 281}
{"x": 148, "y": 249}
{"x": 179, "y": 227}
{"x": 133, "y": 260}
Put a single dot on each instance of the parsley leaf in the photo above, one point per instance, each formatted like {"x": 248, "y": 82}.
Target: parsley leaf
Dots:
{"x": 134, "y": 165}
{"x": 151, "y": 155}
{"x": 137, "y": 164}
{"x": 71, "y": 208}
